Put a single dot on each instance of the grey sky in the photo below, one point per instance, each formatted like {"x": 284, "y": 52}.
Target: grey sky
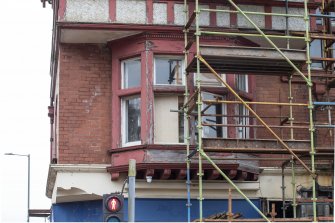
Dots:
{"x": 25, "y": 42}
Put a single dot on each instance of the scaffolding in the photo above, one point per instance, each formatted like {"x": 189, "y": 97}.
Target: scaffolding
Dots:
{"x": 287, "y": 61}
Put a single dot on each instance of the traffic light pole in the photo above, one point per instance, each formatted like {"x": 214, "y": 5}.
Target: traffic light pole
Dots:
{"x": 131, "y": 190}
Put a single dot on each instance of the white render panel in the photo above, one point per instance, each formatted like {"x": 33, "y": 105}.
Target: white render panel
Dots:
{"x": 160, "y": 13}
{"x": 270, "y": 182}
{"x": 279, "y": 22}
{"x": 259, "y": 20}
{"x": 297, "y": 24}
{"x": 166, "y": 122}
{"x": 204, "y": 16}
{"x": 87, "y": 11}
{"x": 223, "y": 18}
{"x": 78, "y": 186}
{"x": 179, "y": 15}
{"x": 131, "y": 11}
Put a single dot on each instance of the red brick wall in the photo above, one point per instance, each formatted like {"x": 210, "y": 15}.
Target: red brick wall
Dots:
{"x": 272, "y": 89}
{"x": 84, "y": 104}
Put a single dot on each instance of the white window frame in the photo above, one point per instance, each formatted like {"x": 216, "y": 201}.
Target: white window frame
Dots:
{"x": 224, "y": 118}
{"x": 246, "y": 79}
{"x": 123, "y": 72}
{"x": 242, "y": 132}
{"x": 124, "y": 122}
{"x": 171, "y": 58}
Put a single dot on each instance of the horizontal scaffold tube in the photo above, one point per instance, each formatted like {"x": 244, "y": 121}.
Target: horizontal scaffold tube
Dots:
{"x": 324, "y": 16}
{"x": 258, "y": 126}
{"x": 253, "y": 13}
{"x": 253, "y": 103}
{"x": 251, "y": 35}
{"x": 324, "y": 103}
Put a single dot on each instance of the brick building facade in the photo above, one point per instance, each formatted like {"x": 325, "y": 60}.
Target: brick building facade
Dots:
{"x": 117, "y": 85}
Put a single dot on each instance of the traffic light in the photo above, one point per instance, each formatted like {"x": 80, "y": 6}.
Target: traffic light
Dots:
{"x": 112, "y": 207}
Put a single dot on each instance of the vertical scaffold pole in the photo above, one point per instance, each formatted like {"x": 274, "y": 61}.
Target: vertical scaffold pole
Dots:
{"x": 199, "y": 103}
{"x": 310, "y": 107}
{"x": 290, "y": 98}
{"x": 294, "y": 204}
{"x": 187, "y": 121}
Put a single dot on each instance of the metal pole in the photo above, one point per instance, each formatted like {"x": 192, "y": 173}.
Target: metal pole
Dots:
{"x": 287, "y": 32}
{"x": 294, "y": 204}
{"x": 131, "y": 190}
{"x": 310, "y": 107}
{"x": 290, "y": 98}
{"x": 199, "y": 103}
{"x": 187, "y": 121}
{"x": 254, "y": 13}
{"x": 28, "y": 207}
{"x": 283, "y": 189}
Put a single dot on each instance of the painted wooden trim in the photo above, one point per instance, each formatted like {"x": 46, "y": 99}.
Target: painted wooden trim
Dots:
{"x": 170, "y": 12}
{"x": 112, "y": 10}
{"x": 212, "y": 15}
{"x": 268, "y": 18}
{"x": 233, "y": 18}
{"x": 128, "y": 92}
{"x": 150, "y": 11}
{"x": 61, "y": 10}
{"x": 313, "y": 20}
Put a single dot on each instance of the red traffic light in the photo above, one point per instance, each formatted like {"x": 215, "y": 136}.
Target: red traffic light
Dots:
{"x": 113, "y": 204}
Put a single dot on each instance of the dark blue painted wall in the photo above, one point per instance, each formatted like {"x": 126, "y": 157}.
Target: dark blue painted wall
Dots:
{"x": 151, "y": 210}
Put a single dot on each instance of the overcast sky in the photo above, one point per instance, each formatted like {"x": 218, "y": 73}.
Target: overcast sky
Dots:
{"x": 25, "y": 44}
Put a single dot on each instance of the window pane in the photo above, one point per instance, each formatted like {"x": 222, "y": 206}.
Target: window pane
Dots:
{"x": 216, "y": 111}
{"x": 315, "y": 50}
{"x": 132, "y": 73}
{"x": 242, "y": 82}
{"x": 168, "y": 71}
{"x": 133, "y": 120}
{"x": 243, "y": 119}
